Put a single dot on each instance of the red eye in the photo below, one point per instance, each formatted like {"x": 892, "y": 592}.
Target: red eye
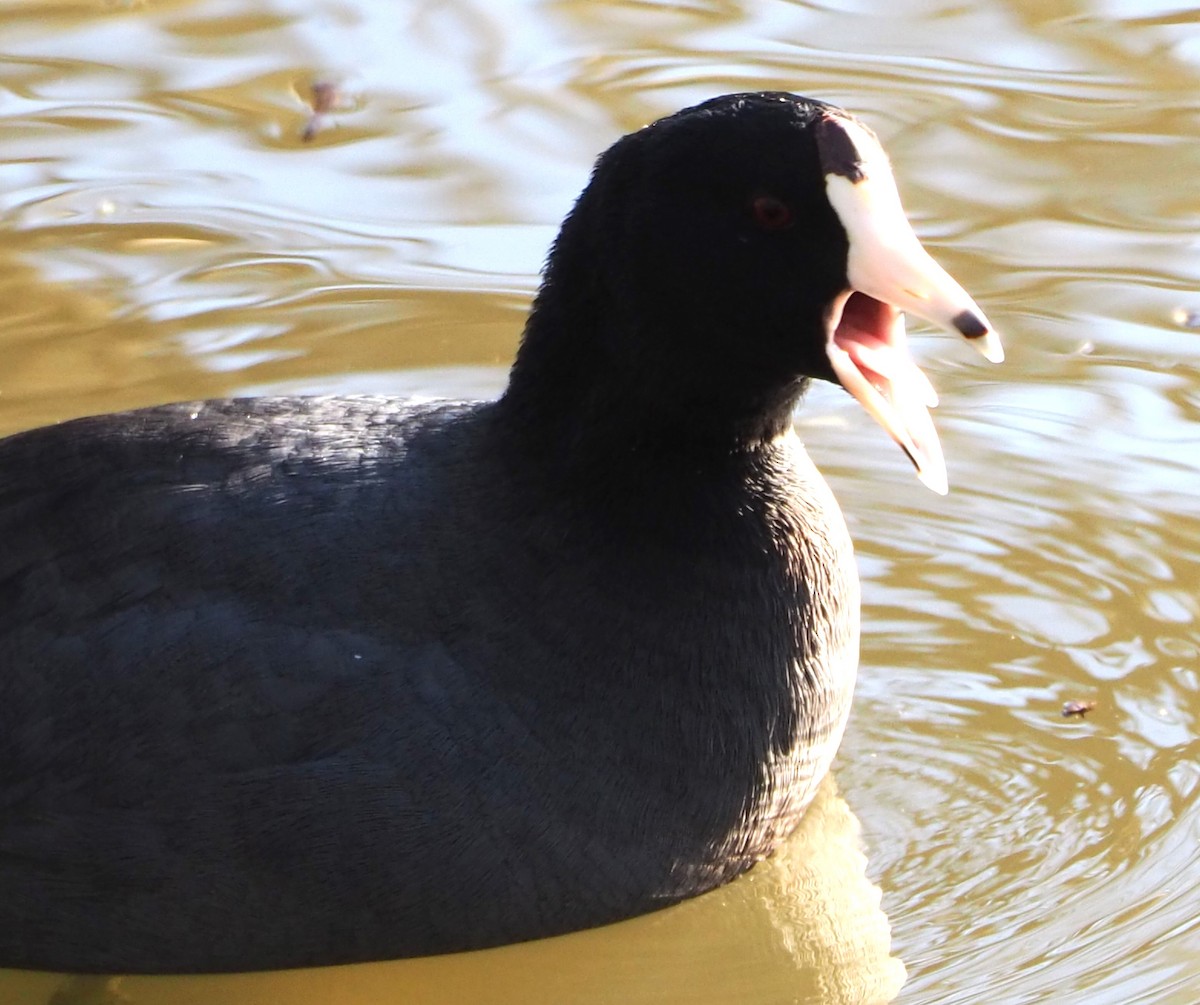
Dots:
{"x": 771, "y": 213}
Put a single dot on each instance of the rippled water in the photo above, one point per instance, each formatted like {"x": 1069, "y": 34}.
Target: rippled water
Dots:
{"x": 167, "y": 232}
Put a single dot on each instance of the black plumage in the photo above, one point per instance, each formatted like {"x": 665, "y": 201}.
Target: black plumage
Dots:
{"x": 293, "y": 681}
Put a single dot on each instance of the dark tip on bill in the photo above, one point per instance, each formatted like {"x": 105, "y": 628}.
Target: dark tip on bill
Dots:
{"x": 969, "y": 325}
{"x": 839, "y": 156}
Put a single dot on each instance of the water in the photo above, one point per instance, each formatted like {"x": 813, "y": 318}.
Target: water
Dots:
{"x": 166, "y": 232}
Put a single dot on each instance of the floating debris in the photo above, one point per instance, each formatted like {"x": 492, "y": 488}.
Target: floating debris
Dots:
{"x": 1186, "y": 317}
{"x": 1077, "y": 709}
{"x": 325, "y": 97}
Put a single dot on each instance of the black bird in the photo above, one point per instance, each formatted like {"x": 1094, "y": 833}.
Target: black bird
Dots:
{"x": 294, "y": 681}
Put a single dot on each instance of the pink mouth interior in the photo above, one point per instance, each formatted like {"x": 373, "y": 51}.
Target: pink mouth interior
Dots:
{"x": 871, "y": 343}
{"x": 872, "y": 334}
{"x": 865, "y": 332}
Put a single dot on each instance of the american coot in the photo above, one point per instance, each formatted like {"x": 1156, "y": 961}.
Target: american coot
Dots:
{"x": 292, "y": 681}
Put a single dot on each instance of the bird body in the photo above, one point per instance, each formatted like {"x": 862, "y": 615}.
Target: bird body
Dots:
{"x": 397, "y": 743}
{"x": 294, "y": 681}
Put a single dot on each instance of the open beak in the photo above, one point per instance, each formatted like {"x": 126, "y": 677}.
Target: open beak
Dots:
{"x": 889, "y": 273}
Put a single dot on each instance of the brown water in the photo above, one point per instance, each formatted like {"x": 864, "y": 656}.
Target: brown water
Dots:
{"x": 165, "y": 233}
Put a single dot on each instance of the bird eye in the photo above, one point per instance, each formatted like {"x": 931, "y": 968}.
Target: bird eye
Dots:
{"x": 771, "y": 213}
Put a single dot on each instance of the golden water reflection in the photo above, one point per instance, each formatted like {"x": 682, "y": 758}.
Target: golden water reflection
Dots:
{"x": 807, "y": 926}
